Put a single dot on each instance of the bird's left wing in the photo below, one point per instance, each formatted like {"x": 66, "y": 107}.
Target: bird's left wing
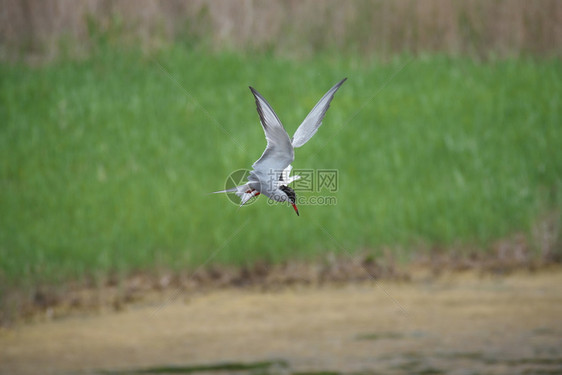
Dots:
{"x": 312, "y": 122}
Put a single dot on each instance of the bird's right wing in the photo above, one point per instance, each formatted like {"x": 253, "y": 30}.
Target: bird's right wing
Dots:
{"x": 279, "y": 152}
{"x": 312, "y": 122}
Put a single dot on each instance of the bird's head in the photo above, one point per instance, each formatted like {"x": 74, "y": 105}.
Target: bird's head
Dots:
{"x": 291, "y": 196}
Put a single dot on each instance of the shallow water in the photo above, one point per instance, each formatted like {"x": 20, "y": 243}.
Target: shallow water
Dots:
{"x": 461, "y": 324}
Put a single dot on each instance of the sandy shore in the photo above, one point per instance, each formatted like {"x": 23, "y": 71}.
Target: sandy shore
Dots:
{"x": 462, "y": 324}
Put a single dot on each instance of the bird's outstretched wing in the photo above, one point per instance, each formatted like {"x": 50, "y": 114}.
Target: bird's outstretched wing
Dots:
{"x": 279, "y": 152}
{"x": 312, "y": 122}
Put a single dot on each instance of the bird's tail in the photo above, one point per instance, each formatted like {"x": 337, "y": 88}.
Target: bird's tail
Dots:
{"x": 245, "y": 192}
{"x": 231, "y": 190}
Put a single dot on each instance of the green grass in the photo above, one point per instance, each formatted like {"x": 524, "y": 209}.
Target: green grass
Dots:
{"x": 106, "y": 164}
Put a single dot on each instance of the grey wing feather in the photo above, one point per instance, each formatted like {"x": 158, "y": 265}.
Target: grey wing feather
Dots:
{"x": 312, "y": 122}
{"x": 279, "y": 152}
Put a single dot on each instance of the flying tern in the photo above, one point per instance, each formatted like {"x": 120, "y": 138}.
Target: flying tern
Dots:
{"x": 270, "y": 174}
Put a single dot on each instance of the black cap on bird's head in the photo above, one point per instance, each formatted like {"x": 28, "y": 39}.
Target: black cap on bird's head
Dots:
{"x": 291, "y": 195}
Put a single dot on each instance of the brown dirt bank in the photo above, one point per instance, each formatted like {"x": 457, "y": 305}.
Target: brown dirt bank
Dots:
{"x": 119, "y": 291}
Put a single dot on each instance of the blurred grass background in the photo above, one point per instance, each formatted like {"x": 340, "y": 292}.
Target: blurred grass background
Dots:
{"x": 115, "y": 128}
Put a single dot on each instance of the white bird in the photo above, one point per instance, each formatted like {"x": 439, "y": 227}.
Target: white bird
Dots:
{"x": 270, "y": 174}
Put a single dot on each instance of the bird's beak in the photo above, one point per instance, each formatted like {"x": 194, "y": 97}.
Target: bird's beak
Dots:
{"x": 296, "y": 209}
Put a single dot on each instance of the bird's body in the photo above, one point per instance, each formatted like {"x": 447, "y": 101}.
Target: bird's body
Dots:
{"x": 271, "y": 172}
